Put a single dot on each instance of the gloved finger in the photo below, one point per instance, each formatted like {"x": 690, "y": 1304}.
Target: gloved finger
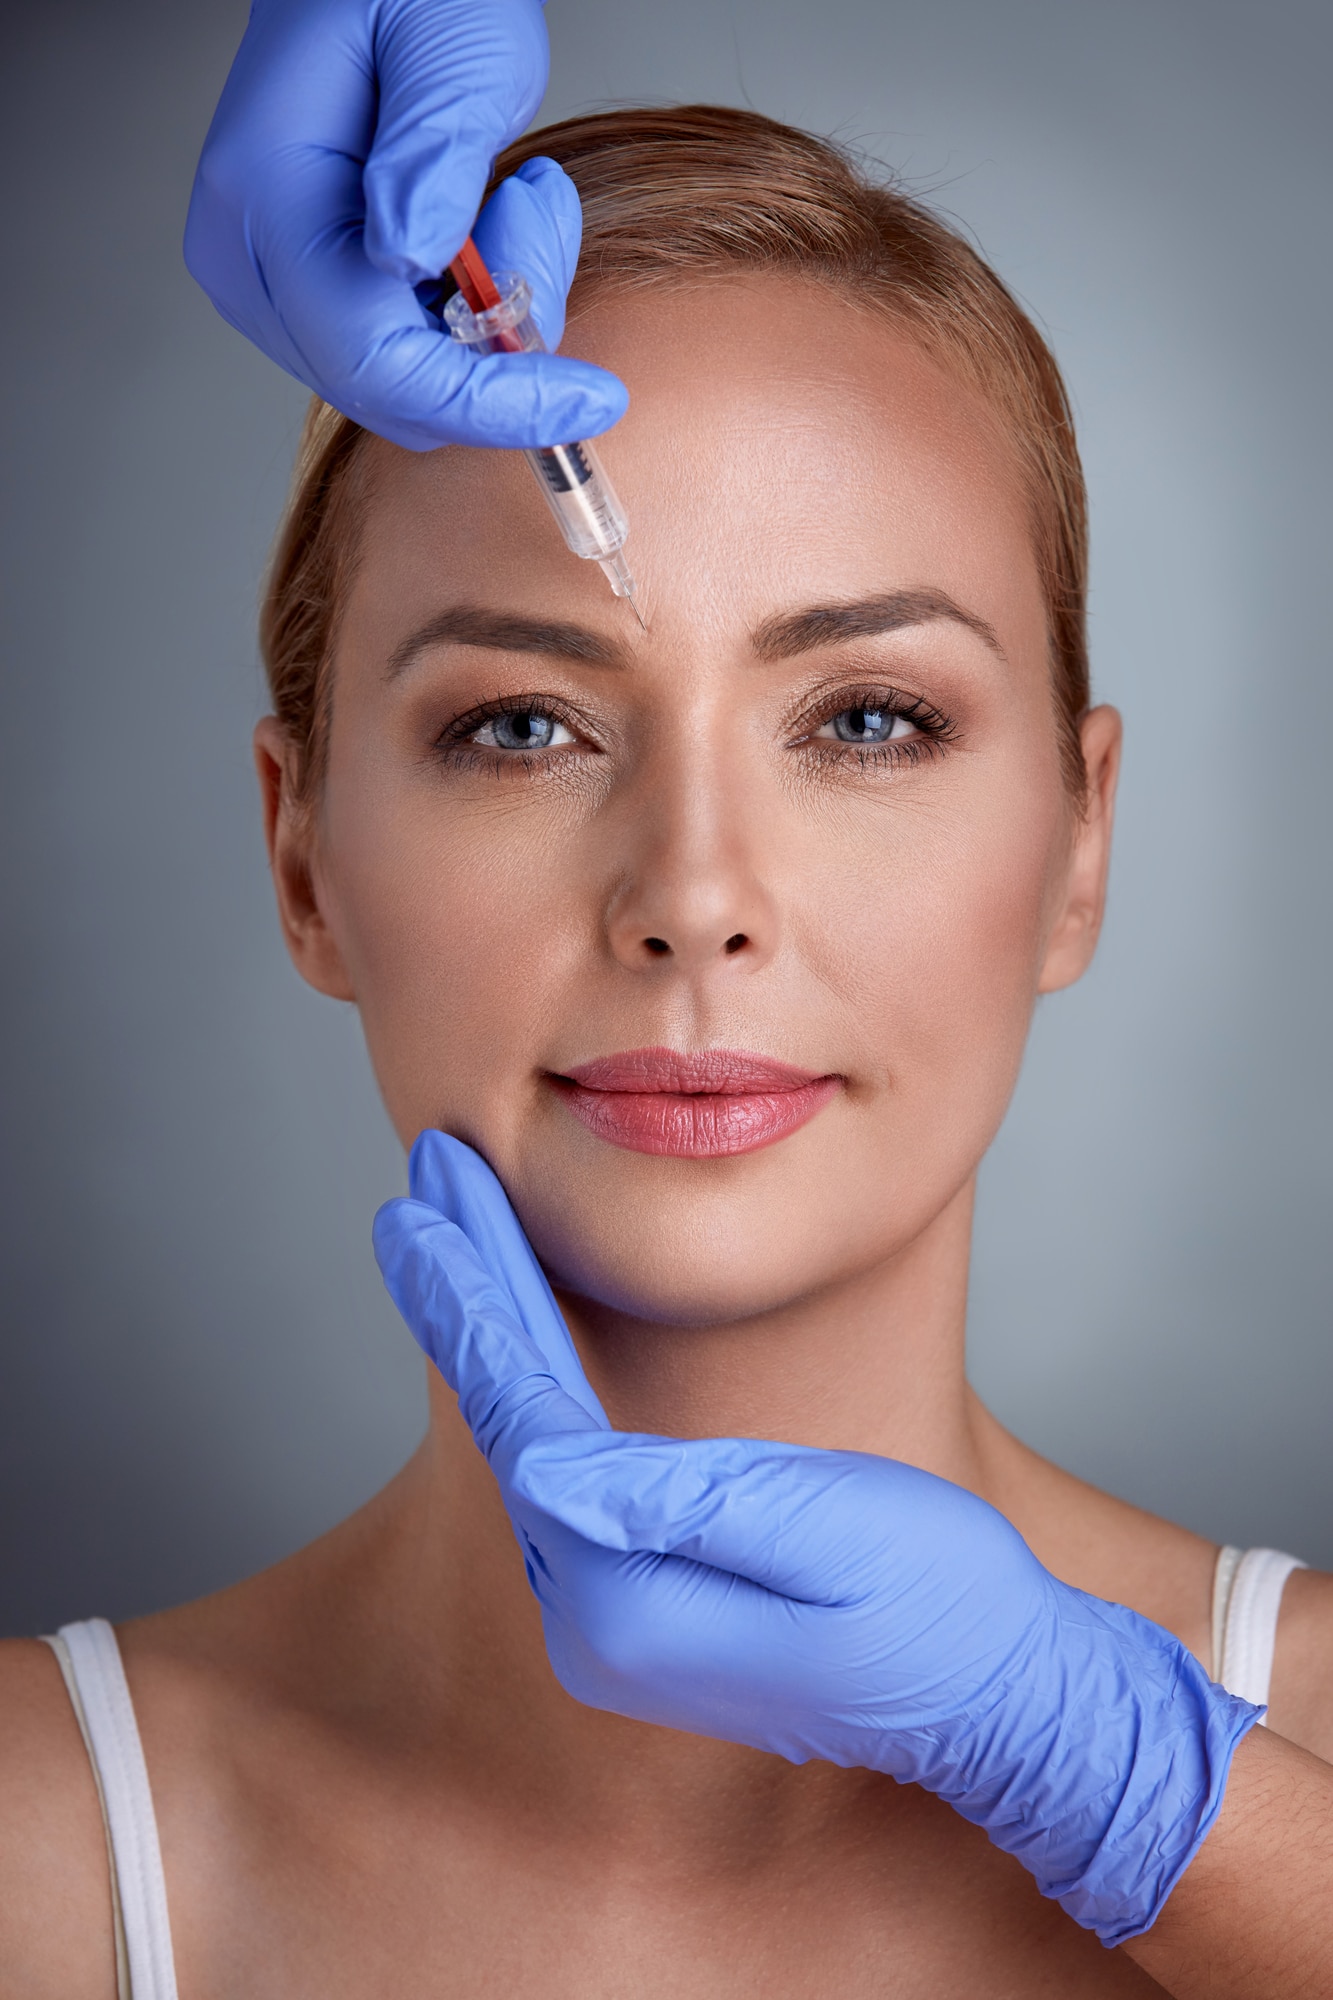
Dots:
{"x": 675, "y": 1644}
{"x": 683, "y": 1645}
{"x": 458, "y": 79}
{"x": 533, "y": 224}
{"x": 412, "y": 394}
{"x": 821, "y": 1527}
{"x": 453, "y": 1179}
{"x": 464, "y": 1322}
{"x": 771, "y": 1513}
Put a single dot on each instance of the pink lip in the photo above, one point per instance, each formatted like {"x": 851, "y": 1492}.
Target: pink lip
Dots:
{"x": 699, "y": 1106}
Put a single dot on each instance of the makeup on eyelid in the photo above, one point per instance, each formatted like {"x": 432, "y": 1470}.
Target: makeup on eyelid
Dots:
{"x": 703, "y": 1105}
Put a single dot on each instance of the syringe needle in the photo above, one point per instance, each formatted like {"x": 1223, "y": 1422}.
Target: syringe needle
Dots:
{"x": 621, "y": 579}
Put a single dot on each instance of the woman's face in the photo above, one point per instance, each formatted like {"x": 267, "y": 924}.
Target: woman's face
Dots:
{"x": 816, "y": 814}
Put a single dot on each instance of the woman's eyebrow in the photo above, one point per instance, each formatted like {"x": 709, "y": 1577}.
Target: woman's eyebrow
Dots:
{"x": 791, "y": 632}
{"x": 468, "y": 625}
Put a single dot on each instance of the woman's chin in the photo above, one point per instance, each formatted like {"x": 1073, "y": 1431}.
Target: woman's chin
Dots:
{"x": 706, "y": 1300}
{"x": 682, "y": 1270}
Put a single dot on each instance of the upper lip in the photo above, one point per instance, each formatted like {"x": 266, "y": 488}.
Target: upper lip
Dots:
{"x": 691, "y": 1073}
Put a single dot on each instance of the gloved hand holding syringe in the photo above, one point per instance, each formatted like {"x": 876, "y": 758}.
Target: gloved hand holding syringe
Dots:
{"x": 346, "y": 162}
{"x": 492, "y": 313}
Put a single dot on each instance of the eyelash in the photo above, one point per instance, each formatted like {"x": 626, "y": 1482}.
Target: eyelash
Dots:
{"x": 934, "y": 732}
{"x": 454, "y": 741}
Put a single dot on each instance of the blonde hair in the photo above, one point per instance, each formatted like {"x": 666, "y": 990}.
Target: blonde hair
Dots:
{"x": 701, "y": 190}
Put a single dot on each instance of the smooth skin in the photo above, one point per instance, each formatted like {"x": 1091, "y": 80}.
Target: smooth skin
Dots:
{"x": 367, "y": 1779}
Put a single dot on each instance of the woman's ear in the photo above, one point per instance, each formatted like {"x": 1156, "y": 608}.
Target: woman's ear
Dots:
{"x": 287, "y": 831}
{"x": 1078, "y": 921}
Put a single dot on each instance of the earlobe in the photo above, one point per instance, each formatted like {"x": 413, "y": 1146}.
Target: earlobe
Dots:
{"x": 1078, "y": 921}
{"x": 310, "y": 942}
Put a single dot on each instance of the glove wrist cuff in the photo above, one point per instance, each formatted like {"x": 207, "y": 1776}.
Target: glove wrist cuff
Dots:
{"x": 1152, "y": 1738}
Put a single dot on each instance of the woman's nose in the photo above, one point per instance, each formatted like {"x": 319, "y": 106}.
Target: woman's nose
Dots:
{"x": 693, "y": 895}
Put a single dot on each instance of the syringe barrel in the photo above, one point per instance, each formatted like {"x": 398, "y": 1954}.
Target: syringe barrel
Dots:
{"x": 572, "y": 477}
{"x": 582, "y": 498}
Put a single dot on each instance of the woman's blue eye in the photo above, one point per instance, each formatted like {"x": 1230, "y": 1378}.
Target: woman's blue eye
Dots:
{"x": 522, "y": 729}
{"x": 866, "y": 725}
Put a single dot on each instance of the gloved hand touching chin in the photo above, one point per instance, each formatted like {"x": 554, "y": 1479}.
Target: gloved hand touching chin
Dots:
{"x": 345, "y": 165}
{"x": 816, "y": 1604}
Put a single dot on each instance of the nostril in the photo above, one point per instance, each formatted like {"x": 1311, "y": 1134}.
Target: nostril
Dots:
{"x": 658, "y": 946}
{"x": 736, "y": 943}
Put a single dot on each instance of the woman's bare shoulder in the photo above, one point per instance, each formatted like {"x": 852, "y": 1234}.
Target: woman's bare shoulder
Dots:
{"x": 1301, "y": 1696}
{"x": 204, "y": 1677}
{"x": 56, "y": 1936}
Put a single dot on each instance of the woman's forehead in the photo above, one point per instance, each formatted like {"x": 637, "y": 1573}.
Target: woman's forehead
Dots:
{"x": 780, "y": 446}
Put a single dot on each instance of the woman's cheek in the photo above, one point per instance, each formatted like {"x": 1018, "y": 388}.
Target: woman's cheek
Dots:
{"x": 447, "y": 940}
{"x": 949, "y": 968}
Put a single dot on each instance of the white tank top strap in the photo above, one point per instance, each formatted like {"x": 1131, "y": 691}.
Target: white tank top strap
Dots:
{"x": 90, "y": 1662}
{"x": 1247, "y": 1597}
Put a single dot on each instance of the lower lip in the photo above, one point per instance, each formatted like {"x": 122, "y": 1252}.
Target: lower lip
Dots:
{"x": 696, "y": 1125}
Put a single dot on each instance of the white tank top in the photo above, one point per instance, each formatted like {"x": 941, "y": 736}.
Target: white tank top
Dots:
{"x": 1247, "y": 1595}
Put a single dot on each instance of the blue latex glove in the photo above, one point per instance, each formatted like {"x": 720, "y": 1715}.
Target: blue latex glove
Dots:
{"x": 817, "y": 1604}
{"x": 344, "y": 166}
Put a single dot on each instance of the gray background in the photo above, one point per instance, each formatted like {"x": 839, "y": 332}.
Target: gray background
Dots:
{"x": 199, "y": 1370}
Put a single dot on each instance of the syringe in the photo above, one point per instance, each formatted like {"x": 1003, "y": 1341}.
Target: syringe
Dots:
{"x": 494, "y": 315}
